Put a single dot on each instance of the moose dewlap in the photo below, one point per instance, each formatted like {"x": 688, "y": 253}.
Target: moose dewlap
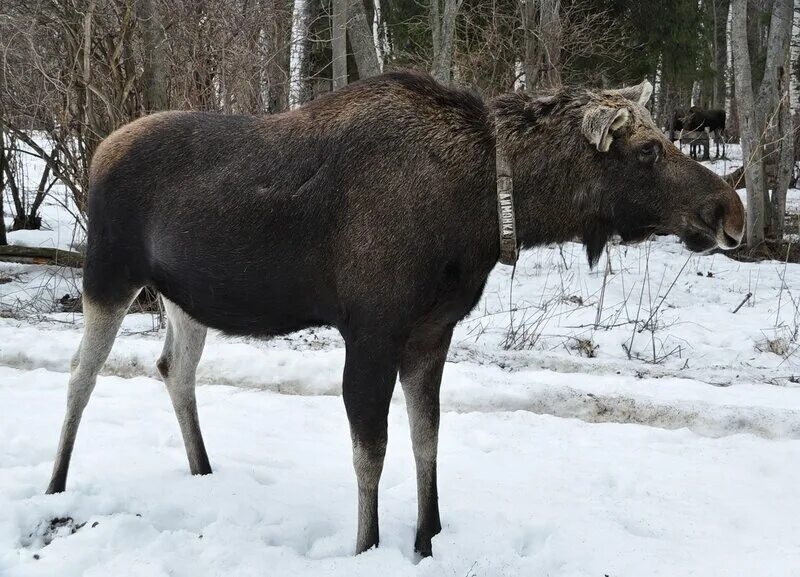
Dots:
{"x": 373, "y": 209}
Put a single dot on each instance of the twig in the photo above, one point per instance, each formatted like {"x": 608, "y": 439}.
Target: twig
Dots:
{"x": 603, "y": 291}
{"x": 666, "y": 294}
{"x": 741, "y": 304}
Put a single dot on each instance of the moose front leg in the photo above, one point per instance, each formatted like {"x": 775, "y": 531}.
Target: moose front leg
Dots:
{"x": 370, "y": 372}
{"x": 421, "y": 377}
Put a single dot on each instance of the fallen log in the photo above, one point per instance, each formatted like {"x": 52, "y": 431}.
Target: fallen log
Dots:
{"x": 40, "y": 255}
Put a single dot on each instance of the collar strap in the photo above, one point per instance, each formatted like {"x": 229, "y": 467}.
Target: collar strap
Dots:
{"x": 505, "y": 205}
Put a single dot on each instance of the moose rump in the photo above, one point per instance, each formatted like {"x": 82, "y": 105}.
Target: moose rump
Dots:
{"x": 236, "y": 249}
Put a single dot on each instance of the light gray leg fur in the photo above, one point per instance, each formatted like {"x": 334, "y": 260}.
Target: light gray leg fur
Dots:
{"x": 421, "y": 376}
{"x": 101, "y": 325}
{"x": 183, "y": 348}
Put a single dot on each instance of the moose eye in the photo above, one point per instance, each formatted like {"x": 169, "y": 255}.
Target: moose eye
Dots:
{"x": 649, "y": 152}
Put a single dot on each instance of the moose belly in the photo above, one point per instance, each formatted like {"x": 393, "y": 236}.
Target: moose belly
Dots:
{"x": 246, "y": 288}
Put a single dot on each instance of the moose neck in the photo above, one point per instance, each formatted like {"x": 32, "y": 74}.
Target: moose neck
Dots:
{"x": 556, "y": 181}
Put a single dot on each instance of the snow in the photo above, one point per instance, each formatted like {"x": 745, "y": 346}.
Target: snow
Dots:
{"x": 521, "y": 494}
{"x": 636, "y": 425}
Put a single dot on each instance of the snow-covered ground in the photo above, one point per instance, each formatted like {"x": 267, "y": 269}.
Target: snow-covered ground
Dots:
{"x": 621, "y": 421}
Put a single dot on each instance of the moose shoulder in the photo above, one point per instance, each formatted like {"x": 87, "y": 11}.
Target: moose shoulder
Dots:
{"x": 372, "y": 209}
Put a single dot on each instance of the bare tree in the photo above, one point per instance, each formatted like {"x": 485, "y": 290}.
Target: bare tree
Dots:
{"x": 362, "y": 40}
{"x": 542, "y": 26}
{"x": 720, "y": 11}
{"x": 3, "y": 238}
{"x": 443, "y": 26}
{"x": 339, "y": 43}
{"x": 759, "y": 109}
{"x": 154, "y": 68}
{"x": 277, "y": 54}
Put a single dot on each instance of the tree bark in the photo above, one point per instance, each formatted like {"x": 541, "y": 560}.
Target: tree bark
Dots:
{"x": 443, "y": 50}
{"x": 436, "y": 29}
{"x": 748, "y": 125}
{"x": 3, "y": 237}
{"x": 362, "y": 40}
{"x": 300, "y": 53}
{"x": 550, "y": 34}
{"x": 154, "y": 69}
{"x": 795, "y": 64}
{"x": 529, "y": 64}
{"x": 721, "y": 9}
{"x": 772, "y": 105}
{"x": 339, "y": 43}
{"x": 542, "y": 25}
{"x": 279, "y": 33}
{"x": 785, "y": 167}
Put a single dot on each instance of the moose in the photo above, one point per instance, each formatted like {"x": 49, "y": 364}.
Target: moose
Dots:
{"x": 698, "y": 119}
{"x": 373, "y": 209}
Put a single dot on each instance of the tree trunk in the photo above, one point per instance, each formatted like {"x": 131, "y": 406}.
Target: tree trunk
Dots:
{"x": 529, "y": 63}
{"x": 771, "y": 104}
{"x": 3, "y": 238}
{"x": 542, "y": 24}
{"x": 795, "y": 64}
{"x": 721, "y": 9}
{"x": 362, "y": 40}
{"x": 339, "y": 43}
{"x": 436, "y": 29}
{"x": 784, "y": 141}
{"x": 154, "y": 70}
{"x": 748, "y": 125}
{"x": 278, "y": 52}
{"x": 443, "y": 50}
{"x": 300, "y": 53}
{"x": 731, "y": 113}
{"x": 550, "y": 34}
{"x": 785, "y": 167}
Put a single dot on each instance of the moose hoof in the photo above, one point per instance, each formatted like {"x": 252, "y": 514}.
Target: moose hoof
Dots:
{"x": 56, "y": 486}
{"x": 366, "y": 544}
{"x": 422, "y": 544}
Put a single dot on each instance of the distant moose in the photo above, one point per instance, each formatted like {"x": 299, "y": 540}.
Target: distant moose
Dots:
{"x": 695, "y": 127}
{"x": 373, "y": 209}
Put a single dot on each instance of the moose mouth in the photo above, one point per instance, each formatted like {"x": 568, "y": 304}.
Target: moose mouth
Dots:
{"x": 699, "y": 236}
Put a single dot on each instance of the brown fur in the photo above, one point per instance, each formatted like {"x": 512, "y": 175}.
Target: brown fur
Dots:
{"x": 113, "y": 150}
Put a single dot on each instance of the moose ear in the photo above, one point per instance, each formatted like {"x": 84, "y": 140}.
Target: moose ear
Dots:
{"x": 639, "y": 94}
{"x": 600, "y": 121}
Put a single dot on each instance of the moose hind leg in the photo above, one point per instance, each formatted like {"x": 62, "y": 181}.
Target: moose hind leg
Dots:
{"x": 183, "y": 348}
{"x": 421, "y": 376}
{"x": 370, "y": 373}
{"x": 102, "y": 321}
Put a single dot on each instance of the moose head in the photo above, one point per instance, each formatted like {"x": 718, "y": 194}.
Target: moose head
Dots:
{"x": 594, "y": 164}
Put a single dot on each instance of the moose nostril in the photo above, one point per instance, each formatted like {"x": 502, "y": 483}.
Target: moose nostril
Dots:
{"x": 730, "y": 241}
{"x": 733, "y": 218}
